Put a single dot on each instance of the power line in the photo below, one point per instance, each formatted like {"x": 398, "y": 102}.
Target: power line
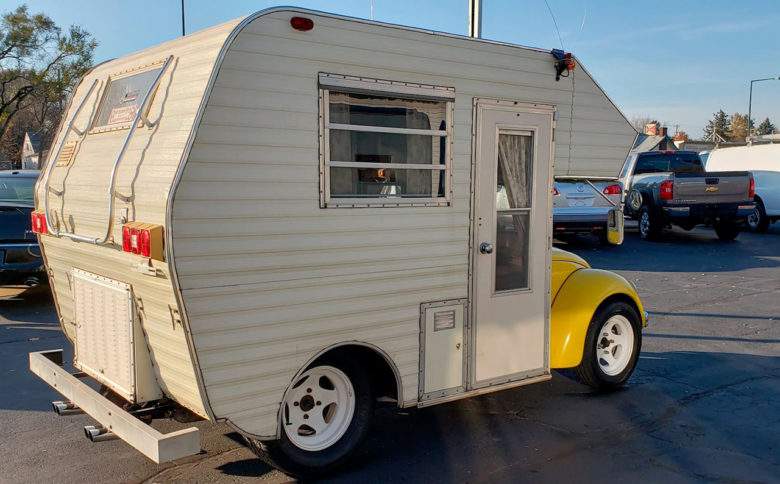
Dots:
{"x": 554, "y": 23}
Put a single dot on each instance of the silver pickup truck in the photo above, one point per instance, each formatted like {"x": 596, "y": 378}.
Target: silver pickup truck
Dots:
{"x": 664, "y": 188}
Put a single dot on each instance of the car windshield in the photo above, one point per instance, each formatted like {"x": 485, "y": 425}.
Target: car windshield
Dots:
{"x": 16, "y": 189}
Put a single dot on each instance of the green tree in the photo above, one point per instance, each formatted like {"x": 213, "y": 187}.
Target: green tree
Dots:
{"x": 766, "y": 127}
{"x": 40, "y": 63}
{"x": 718, "y": 126}
{"x": 738, "y": 127}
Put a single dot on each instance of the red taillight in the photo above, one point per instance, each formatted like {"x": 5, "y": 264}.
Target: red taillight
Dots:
{"x": 555, "y": 191}
{"x": 751, "y": 188}
{"x": 666, "y": 190}
{"x": 612, "y": 190}
{"x": 131, "y": 239}
{"x": 142, "y": 239}
{"x": 302, "y": 24}
{"x": 39, "y": 223}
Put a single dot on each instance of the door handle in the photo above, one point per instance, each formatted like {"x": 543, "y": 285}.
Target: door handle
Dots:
{"x": 486, "y": 248}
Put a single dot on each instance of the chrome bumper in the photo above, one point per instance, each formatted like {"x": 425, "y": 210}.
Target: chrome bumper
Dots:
{"x": 153, "y": 444}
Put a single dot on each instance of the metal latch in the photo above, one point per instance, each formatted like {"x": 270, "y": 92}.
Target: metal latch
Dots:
{"x": 145, "y": 267}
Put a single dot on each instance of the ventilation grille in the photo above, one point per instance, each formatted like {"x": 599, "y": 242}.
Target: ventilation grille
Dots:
{"x": 67, "y": 153}
{"x": 104, "y": 331}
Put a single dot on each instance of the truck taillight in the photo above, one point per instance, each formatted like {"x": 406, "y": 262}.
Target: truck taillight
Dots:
{"x": 143, "y": 239}
{"x": 666, "y": 190}
{"x": 612, "y": 190}
{"x": 39, "y": 223}
{"x": 555, "y": 191}
{"x": 751, "y": 188}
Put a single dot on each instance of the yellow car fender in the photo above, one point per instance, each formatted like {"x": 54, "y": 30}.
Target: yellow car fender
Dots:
{"x": 574, "y": 307}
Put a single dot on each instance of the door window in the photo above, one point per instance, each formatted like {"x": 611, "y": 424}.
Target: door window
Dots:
{"x": 513, "y": 209}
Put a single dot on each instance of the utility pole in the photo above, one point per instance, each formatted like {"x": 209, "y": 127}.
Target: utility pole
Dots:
{"x": 183, "y": 32}
{"x": 750, "y": 102}
{"x": 475, "y": 19}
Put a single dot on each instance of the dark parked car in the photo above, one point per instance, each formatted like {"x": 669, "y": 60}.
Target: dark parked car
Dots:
{"x": 672, "y": 188}
{"x": 20, "y": 257}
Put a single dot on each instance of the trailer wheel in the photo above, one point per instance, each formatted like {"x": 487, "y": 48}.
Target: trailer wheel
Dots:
{"x": 758, "y": 220}
{"x": 649, "y": 226}
{"x": 612, "y": 347}
{"x": 727, "y": 229}
{"x": 326, "y": 414}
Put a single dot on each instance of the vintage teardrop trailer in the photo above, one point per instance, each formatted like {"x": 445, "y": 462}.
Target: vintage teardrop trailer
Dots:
{"x": 276, "y": 220}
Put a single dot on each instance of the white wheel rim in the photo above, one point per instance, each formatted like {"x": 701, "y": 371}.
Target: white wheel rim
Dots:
{"x": 318, "y": 408}
{"x": 615, "y": 345}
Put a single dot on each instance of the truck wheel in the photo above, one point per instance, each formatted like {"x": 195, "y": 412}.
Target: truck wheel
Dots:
{"x": 726, "y": 230}
{"x": 612, "y": 347}
{"x": 649, "y": 225}
{"x": 758, "y": 221}
{"x": 326, "y": 414}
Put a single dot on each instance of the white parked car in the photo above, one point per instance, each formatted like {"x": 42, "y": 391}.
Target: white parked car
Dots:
{"x": 582, "y": 205}
{"x": 764, "y": 162}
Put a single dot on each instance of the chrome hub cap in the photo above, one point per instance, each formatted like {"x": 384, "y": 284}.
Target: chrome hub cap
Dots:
{"x": 754, "y": 218}
{"x": 644, "y": 223}
{"x": 318, "y": 408}
{"x": 615, "y": 345}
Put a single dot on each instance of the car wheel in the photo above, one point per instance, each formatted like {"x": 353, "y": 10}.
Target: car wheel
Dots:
{"x": 326, "y": 414}
{"x": 612, "y": 347}
{"x": 649, "y": 226}
{"x": 726, "y": 230}
{"x": 758, "y": 220}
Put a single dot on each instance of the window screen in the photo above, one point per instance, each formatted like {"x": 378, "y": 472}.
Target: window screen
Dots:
{"x": 123, "y": 98}
{"x": 386, "y": 149}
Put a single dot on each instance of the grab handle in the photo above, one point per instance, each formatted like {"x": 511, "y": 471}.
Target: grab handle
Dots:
{"x": 139, "y": 115}
{"x": 53, "y": 159}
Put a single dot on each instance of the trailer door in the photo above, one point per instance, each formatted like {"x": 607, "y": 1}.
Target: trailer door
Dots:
{"x": 511, "y": 245}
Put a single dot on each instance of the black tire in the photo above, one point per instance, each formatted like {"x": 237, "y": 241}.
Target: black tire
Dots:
{"x": 652, "y": 228}
{"x": 726, "y": 229}
{"x": 294, "y": 461}
{"x": 758, "y": 222}
{"x": 589, "y": 371}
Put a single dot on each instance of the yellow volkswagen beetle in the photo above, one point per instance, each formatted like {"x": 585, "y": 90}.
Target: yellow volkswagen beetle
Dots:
{"x": 596, "y": 322}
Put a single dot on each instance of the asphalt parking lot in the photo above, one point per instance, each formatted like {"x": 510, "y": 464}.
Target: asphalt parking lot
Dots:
{"x": 702, "y": 405}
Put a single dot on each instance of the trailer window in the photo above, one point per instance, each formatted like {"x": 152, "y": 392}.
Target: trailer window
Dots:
{"x": 122, "y": 99}
{"x": 385, "y": 150}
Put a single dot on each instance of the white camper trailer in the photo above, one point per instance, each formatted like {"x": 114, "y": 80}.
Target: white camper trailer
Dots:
{"x": 243, "y": 219}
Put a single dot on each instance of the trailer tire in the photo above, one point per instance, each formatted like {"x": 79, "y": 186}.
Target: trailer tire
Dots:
{"x": 758, "y": 220}
{"x": 615, "y": 329}
{"x": 726, "y": 230}
{"x": 287, "y": 453}
{"x": 649, "y": 226}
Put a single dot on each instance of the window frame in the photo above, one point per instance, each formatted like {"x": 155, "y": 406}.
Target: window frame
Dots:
{"x": 94, "y": 128}
{"x": 383, "y": 88}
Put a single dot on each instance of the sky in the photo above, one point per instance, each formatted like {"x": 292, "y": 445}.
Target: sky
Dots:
{"x": 676, "y": 61}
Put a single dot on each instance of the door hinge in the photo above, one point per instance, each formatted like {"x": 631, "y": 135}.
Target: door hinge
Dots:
{"x": 175, "y": 317}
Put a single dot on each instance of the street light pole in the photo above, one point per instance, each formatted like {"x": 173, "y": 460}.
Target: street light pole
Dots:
{"x": 750, "y": 100}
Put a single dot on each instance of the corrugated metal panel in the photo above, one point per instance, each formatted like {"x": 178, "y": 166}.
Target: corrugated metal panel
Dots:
{"x": 269, "y": 278}
{"x": 144, "y": 179}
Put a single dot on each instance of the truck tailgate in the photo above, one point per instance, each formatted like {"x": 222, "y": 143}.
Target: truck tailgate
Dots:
{"x": 716, "y": 187}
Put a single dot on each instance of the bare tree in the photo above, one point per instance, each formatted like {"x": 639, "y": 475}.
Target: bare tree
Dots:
{"x": 39, "y": 66}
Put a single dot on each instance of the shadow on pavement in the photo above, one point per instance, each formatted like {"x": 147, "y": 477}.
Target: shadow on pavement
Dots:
{"x": 680, "y": 251}
{"x": 683, "y": 414}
